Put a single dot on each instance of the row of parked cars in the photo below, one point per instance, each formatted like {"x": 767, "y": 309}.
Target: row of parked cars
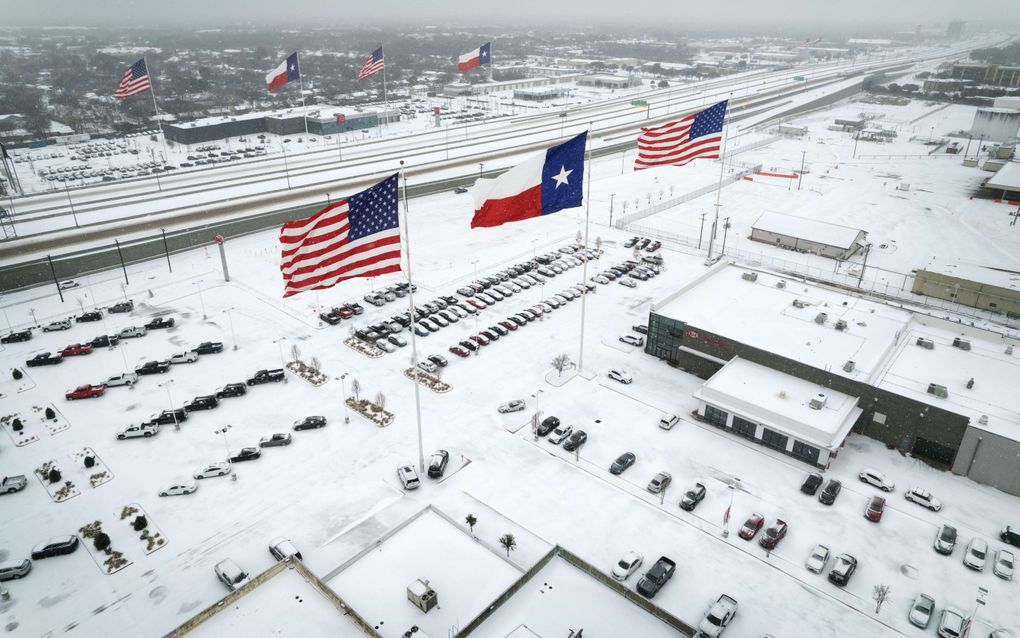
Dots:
{"x": 86, "y": 317}
{"x": 627, "y": 273}
{"x": 642, "y": 243}
{"x": 408, "y": 476}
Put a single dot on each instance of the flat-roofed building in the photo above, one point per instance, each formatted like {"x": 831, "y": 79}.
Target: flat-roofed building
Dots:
{"x": 807, "y": 235}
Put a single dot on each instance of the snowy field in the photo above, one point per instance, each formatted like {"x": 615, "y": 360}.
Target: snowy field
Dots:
{"x": 334, "y": 490}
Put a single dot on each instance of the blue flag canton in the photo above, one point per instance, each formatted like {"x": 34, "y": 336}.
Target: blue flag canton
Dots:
{"x": 485, "y": 54}
{"x": 138, "y": 70}
{"x": 373, "y": 210}
{"x": 563, "y": 175}
{"x": 709, "y": 121}
{"x": 377, "y": 55}
{"x": 293, "y": 70}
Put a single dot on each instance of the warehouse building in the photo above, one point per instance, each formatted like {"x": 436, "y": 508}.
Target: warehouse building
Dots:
{"x": 994, "y": 289}
{"x": 609, "y": 81}
{"x": 1005, "y": 184}
{"x": 1001, "y": 75}
{"x": 541, "y": 94}
{"x": 322, "y": 120}
{"x": 806, "y": 235}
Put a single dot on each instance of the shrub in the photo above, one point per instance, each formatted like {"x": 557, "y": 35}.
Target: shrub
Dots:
{"x": 17, "y": 374}
{"x": 54, "y": 475}
{"x": 140, "y": 523}
{"x": 50, "y": 414}
{"x": 16, "y": 425}
{"x": 90, "y": 461}
{"x": 102, "y": 541}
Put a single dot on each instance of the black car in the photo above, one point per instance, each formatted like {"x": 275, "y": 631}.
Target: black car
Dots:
{"x": 468, "y": 345}
{"x": 153, "y": 367}
{"x": 437, "y": 464}
{"x": 439, "y": 360}
{"x": 575, "y": 440}
{"x": 310, "y": 423}
{"x": 209, "y": 347}
{"x": 104, "y": 341}
{"x": 89, "y": 316}
{"x": 15, "y": 337}
{"x": 170, "y": 417}
{"x": 207, "y": 402}
{"x": 123, "y": 306}
{"x": 246, "y": 454}
{"x": 693, "y": 497}
{"x": 160, "y": 322}
{"x": 330, "y": 318}
{"x": 44, "y": 359}
{"x": 231, "y": 390}
{"x": 55, "y": 547}
{"x": 812, "y": 483}
{"x": 449, "y": 299}
{"x": 622, "y": 462}
{"x": 547, "y": 425}
{"x": 844, "y": 568}
{"x": 831, "y": 491}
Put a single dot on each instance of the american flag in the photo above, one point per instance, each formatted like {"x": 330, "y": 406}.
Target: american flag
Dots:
{"x": 135, "y": 81}
{"x": 678, "y": 143}
{"x": 354, "y": 237}
{"x": 373, "y": 64}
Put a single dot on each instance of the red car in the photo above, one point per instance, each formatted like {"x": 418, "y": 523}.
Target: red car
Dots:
{"x": 477, "y": 303}
{"x": 752, "y": 526}
{"x": 87, "y": 391}
{"x": 76, "y": 349}
{"x": 509, "y": 325}
{"x": 459, "y": 351}
{"x": 773, "y": 535}
{"x": 481, "y": 340}
{"x": 343, "y": 312}
{"x": 876, "y": 506}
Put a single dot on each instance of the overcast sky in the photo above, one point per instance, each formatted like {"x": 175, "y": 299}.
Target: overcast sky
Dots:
{"x": 741, "y": 14}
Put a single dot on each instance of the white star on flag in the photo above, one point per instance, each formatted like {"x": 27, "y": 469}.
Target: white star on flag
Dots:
{"x": 562, "y": 177}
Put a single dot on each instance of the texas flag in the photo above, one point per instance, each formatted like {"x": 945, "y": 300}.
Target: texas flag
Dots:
{"x": 479, "y": 57}
{"x": 540, "y": 185}
{"x": 287, "y": 72}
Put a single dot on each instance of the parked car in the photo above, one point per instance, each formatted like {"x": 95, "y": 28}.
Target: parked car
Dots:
{"x": 12, "y": 484}
{"x": 180, "y": 489}
{"x": 951, "y": 623}
{"x": 214, "y": 469}
{"x": 231, "y": 390}
{"x": 18, "y": 336}
{"x": 330, "y": 317}
{"x": 132, "y": 332}
{"x": 717, "y": 617}
{"x": 142, "y": 430}
{"x": 397, "y": 340}
{"x": 158, "y": 323}
{"x": 44, "y": 359}
{"x": 516, "y": 405}
{"x": 266, "y": 376}
{"x": 385, "y": 345}
{"x": 692, "y": 497}
{"x": 547, "y": 425}
{"x": 56, "y": 546}
{"x": 668, "y": 421}
{"x": 976, "y": 554}
{"x": 408, "y": 477}
{"x": 1010, "y": 535}
{"x": 459, "y": 351}
{"x": 877, "y": 479}
{"x": 310, "y": 423}
{"x": 282, "y": 548}
{"x": 170, "y": 417}
{"x": 245, "y": 454}
{"x": 777, "y": 532}
{"x": 631, "y": 340}
{"x": 93, "y": 315}
{"x": 620, "y": 375}
{"x": 437, "y": 464}
{"x": 1003, "y": 565}
{"x": 87, "y": 391}
{"x": 923, "y": 498}
{"x": 752, "y": 526}
{"x": 575, "y": 440}
{"x": 629, "y": 283}
{"x": 231, "y": 575}
{"x": 842, "y": 570}
{"x": 209, "y": 347}
{"x": 626, "y": 566}
{"x": 427, "y": 366}
{"x": 275, "y": 440}
{"x": 921, "y": 611}
{"x": 560, "y": 434}
{"x": 818, "y": 559}
{"x": 811, "y": 484}
{"x": 945, "y": 540}
{"x": 659, "y": 482}
{"x": 622, "y": 462}
{"x": 125, "y": 378}
{"x": 54, "y": 326}
{"x": 104, "y": 341}
{"x": 439, "y": 360}
{"x": 656, "y": 577}
{"x": 153, "y": 367}
{"x": 831, "y": 491}
{"x": 122, "y": 306}
{"x": 875, "y": 508}
{"x": 15, "y": 569}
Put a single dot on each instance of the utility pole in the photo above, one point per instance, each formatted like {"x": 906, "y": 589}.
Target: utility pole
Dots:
{"x": 726, "y": 228}
{"x": 166, "y": 250}
{"x": 800, "y": 176}
{"x": 611, "y": 196}
{"x": 701, "y": 232}
{"x": 867, "y": 249}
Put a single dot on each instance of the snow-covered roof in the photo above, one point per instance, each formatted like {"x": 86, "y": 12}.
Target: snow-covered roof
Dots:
{"x": 781, "y": 402}
{"x": 808, "y": 229}
{"x": 762, "y": 315}
{"x": 1001, "y": 277}
{"x": 1006, "y": 178}
{"x": 994, "y": 395}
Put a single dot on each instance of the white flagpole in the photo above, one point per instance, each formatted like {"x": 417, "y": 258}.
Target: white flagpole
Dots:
{"x": 718, "y": 192}
{"x": 584, "y": 267}
{"x": 414, "y": 341}
{"x": 159, "y": 123}
{"x": 385, "y": 101}
{"x": 301, "y": 87}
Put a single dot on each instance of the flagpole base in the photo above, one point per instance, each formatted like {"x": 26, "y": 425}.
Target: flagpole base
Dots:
{"x": 726, "y": 533}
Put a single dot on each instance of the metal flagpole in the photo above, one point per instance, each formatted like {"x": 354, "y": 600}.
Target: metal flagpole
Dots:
{"x": 584, "y": 266}
{"x": 159, "y": 123}
{"x": 385, "y": 101}
{"x": 718, "y": 192}
{"x": 414, "y": 341}
{"x": 301, "y": 87}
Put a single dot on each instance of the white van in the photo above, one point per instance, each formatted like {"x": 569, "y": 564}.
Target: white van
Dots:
{"x": 667, "y": 422}
{"x": 231, "y": 575}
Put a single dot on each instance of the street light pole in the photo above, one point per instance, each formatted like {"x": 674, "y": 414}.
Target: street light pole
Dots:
{"x": 611, "y": 196}
{"x": 166, "y": 385}
{"x": 343, "y": 391}
{"x": 200, "y": 299}
{"x": 226, "y": 444}
{"x": 800, "y": 175}
{"x": 230, "y": 320}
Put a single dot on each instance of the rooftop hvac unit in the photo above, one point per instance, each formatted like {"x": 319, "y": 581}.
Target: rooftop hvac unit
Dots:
{"x": 422, "y": 595}
{"x": 1009, "y": 349}
{"x": 821, "y": 318}
{"x": 749, "y": 276}
{"x": 962, "y": 344}
{"x": 927, "y": 344}
{"x": 983, "y": 419}
{"x": 818, "y": 401}
{"x": 849, "y": 366}
{"x": 797, "y": 303}
{"x": 781, "y": 283}
{"x": 841, "y": 325}
{"x": 938, "y": 390}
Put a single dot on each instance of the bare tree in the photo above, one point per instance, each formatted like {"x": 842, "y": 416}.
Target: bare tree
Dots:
{"x": 316, "y": 364}
{"x": 471, "y": 521}
{"x": 508, "y": 542}
{"x": 380, "y": 400}
{"x": 598, "y": 243}
{"x": 295, "y": 353}
{"x": 561, "y": 362}
{"x": 579, "y": 237}
{"x": 356, "y": 389}
{"x": 880, "y": 595}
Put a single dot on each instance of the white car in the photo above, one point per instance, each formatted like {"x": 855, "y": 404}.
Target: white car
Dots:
{"x": 180, "y": 489}
{"x": 281, "y": 548}
{"x": 427, "y": 366}
{"x": 1003, "y": 565}
{"x": 385, "y": 345}
{"x": 70, "y": 283}
{"x": 132, "y": 331}
{"x": 559, "y": 434}
{"x": 921, "y": 611}
{"x": 631, "y": 340}
{"x": 214, "y": 469}
{"x": 951, "y": 623}
{"x": 668, "y": 421}
{"x": 408, "y": 477}
{"x": 627, "y": 566}
{"x": 127, "y": 378}
{"x": 231, "y": 575}
{"x": 620, "y": 375}
{"x": 628, "y": 282}
{"x": 135, "y": 431}
{"x": 513, "y": 406}
{"x": 976, "y": 554}
{"x": 397, "y": 340}
{"x": 63, "y": 324}
{"x": 818, "y": 559}
{"x": 876, "y": 478}
{"x": 923, "y": 498}
{"x": 185, "y": 357}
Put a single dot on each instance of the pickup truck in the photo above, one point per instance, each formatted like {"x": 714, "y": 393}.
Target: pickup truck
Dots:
{"x": 44, "y": 359}
{"x": 717, "y": 618}
{"x": 656, "y": 577}
{"x": 266, "y": 376}
{"x": 86, "y": 391}
{"x": 12, "y": 484}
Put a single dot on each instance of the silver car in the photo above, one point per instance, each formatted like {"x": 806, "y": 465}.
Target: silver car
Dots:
{"x": 126, "y": 378}
{"x": 213, "y": 469}
{"x": 976, "y": 554}
{"x": 1003, "y": 565}
{"x": 818, "y": 559}
{"x": 231, "y": 575}
{"x": 951, "y": 623}
{"x": 281, "y": 548}
{"x": 180, "y": 489}
{"x": 15, "y": 569}
{"x": 921, "y": 611}
{"x": 132, "y": 331}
